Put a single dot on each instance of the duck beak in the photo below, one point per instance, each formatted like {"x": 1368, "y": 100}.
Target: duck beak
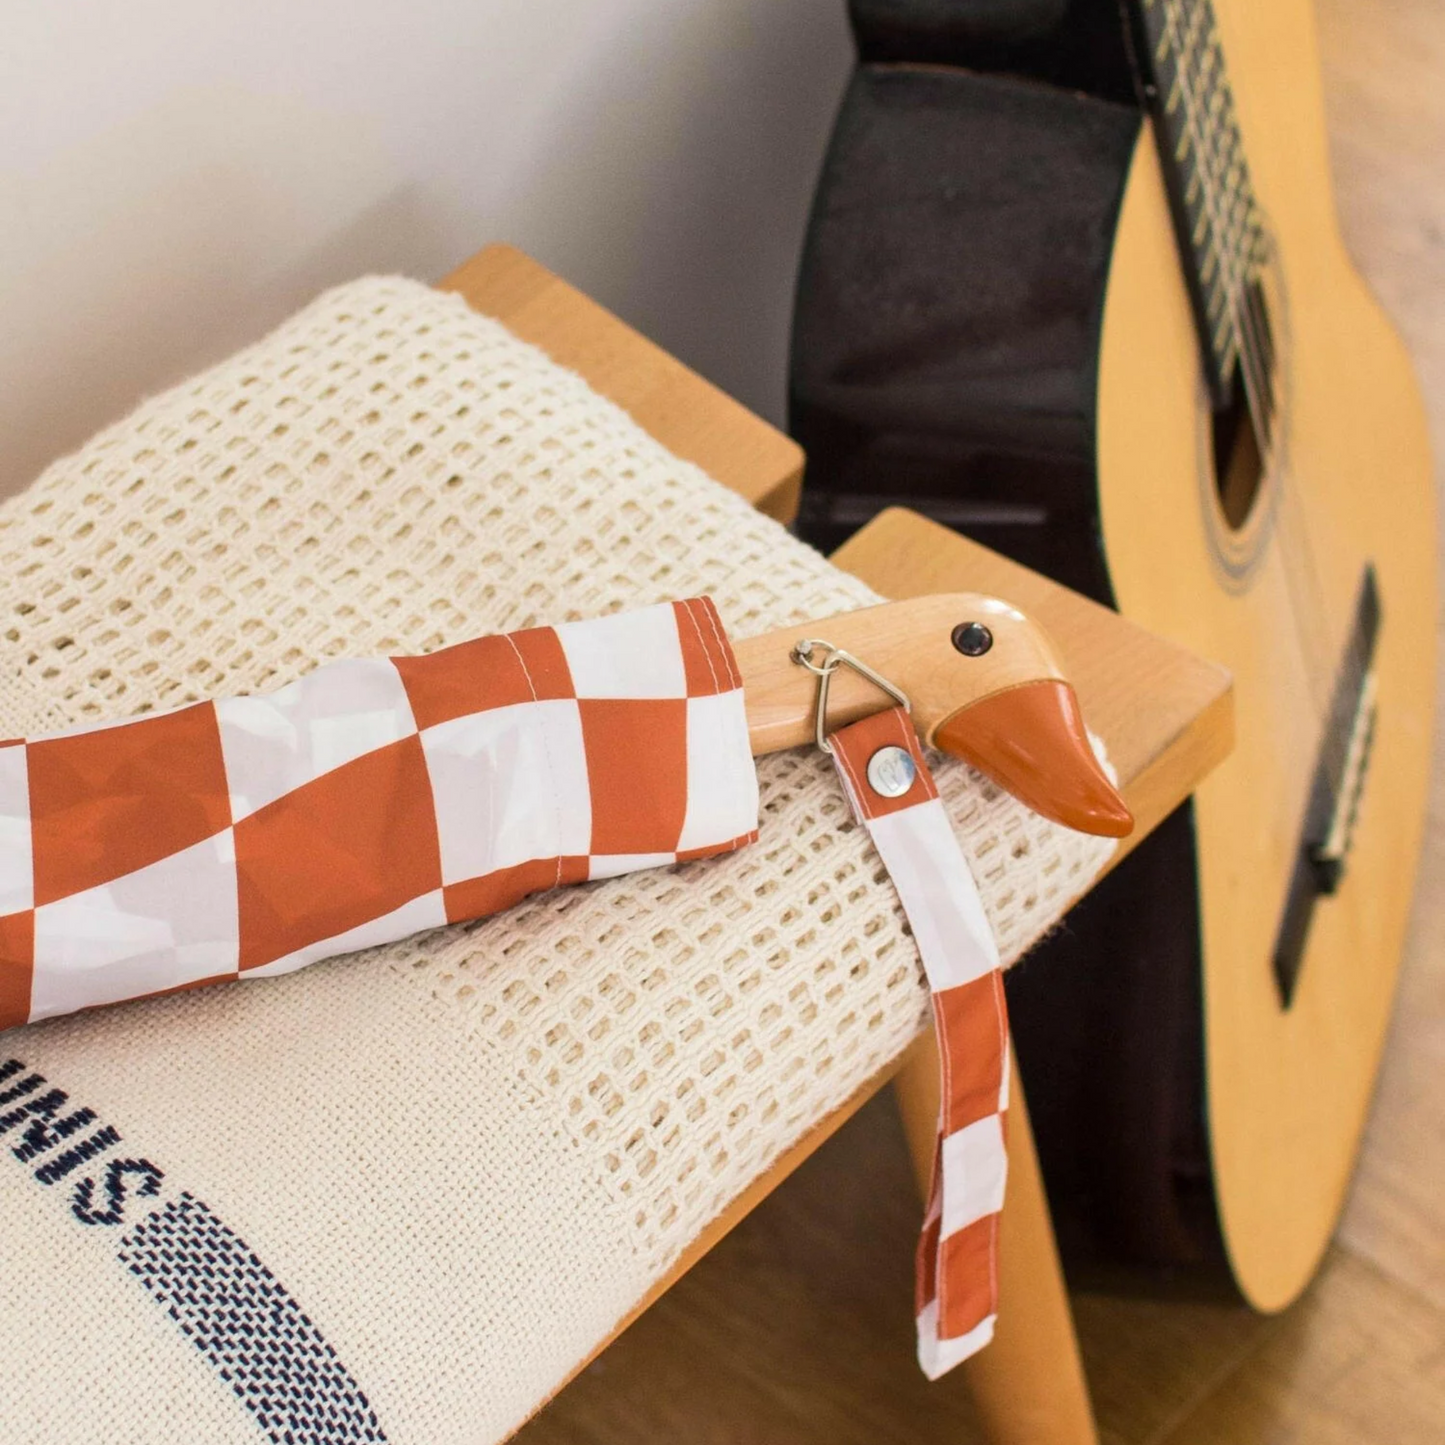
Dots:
{"x": 1030, "y": 739}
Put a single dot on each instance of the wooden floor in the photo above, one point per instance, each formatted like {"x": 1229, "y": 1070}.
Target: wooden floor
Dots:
{"x": 796, "y": 1330}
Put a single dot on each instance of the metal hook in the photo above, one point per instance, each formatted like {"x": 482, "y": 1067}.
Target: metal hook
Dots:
{"x": 833, "y": 659}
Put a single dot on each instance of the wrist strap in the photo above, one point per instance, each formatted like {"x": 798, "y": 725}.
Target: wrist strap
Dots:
{"x": 896, "y": 799}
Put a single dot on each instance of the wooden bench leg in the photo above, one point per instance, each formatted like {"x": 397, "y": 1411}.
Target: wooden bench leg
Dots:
{"x": 1029, "y": 1383}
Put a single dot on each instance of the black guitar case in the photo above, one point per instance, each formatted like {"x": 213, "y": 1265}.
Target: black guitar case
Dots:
{"x": 944, "y": 357}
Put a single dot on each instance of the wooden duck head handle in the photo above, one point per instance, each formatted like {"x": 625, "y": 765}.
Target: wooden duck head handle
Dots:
{"x": 985, "y": 685}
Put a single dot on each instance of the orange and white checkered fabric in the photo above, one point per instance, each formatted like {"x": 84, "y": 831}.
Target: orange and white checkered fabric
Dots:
{"x": 369, "y": 800}
{"x": 957, "y": 1274}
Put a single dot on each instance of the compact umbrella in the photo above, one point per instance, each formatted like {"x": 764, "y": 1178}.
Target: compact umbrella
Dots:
{"x": 376, "y": 798}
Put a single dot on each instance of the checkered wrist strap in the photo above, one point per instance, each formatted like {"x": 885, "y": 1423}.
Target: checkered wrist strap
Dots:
{"x": 894, "y": 796}
{"x": 369, "y": 800}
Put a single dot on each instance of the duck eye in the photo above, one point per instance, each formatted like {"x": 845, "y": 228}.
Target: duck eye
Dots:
{"x": 972, "y": 639}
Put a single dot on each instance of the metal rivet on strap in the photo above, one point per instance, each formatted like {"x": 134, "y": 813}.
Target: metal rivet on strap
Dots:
{"x": 891, "y": 772}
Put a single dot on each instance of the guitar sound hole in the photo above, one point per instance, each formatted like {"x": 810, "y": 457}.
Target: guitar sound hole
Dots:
{"x": 1241, "y": 427}
{"x": 1238, "y": 463}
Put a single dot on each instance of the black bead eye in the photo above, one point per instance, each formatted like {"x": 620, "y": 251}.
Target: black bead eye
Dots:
{"x": 972, "y": 639}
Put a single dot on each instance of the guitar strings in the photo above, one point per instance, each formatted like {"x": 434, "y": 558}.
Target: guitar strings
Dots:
{"x": 1236, "y": 277}
{"x": 1259, "y": 354}
{"x": 1242, "y": 304}
{"x": 1200, "y": 56}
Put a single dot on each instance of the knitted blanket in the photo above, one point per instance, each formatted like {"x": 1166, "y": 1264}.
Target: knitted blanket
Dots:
{"x": 399, "y": 1197}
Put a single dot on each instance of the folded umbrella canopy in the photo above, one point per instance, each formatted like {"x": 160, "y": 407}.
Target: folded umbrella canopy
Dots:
{"x": 369, "y": 800}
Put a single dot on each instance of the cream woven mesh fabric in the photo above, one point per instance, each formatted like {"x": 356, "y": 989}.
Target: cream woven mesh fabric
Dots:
{"x": 392, "y": 472}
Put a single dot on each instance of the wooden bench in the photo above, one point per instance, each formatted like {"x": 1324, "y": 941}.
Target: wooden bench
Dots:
{"x": 1029, "y": 1383}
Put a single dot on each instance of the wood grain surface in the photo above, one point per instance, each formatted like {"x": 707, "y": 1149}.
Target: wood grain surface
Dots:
{"x": 690, "y": 416}
{"x": 796, "y": 1329}
{"x": 1165, "y": 714}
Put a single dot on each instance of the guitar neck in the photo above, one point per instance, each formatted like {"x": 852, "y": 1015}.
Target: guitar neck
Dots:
{"x": 1220, "y": 232}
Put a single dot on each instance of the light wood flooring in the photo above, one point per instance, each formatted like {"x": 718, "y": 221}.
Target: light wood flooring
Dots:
{"x": 796, "y": 1330}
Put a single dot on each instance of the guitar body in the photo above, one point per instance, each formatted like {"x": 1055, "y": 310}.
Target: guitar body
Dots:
{"x": 1195, "y": 1116}
{"x": 1287, "y": 1090}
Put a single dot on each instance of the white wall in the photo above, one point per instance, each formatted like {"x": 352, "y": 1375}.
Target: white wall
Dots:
{"x": 178, "y": 175}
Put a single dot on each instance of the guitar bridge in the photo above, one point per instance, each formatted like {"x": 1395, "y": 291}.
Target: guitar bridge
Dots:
{"x": 1335, "y": 790}
{"x": 1329, "y": 856}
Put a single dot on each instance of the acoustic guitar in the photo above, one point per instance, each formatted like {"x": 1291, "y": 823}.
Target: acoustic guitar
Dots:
{"x": 1074, "y": 285}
